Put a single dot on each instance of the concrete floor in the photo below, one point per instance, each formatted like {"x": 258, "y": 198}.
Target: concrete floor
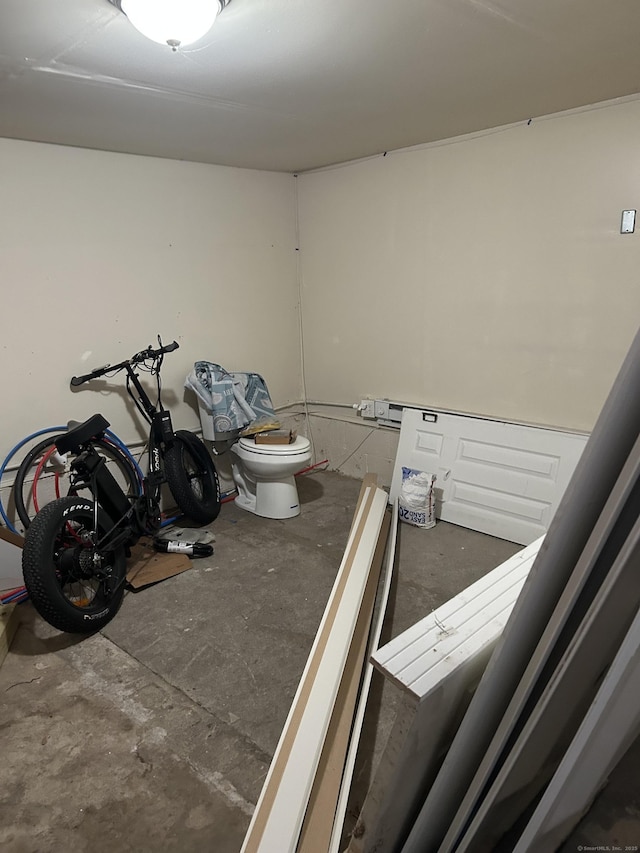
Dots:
{"x": 156, "y": 734}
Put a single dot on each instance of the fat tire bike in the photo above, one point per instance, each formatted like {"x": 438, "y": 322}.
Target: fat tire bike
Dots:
{"x": 76, "y": 547}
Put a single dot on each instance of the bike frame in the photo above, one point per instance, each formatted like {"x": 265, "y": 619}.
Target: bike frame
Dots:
{"x": 157, "y": 416}
{"x": 133, "y": 519}
{"x": 161, "y": 434}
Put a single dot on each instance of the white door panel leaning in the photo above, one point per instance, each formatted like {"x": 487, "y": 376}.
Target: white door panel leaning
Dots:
{"x": 499, "y": 478}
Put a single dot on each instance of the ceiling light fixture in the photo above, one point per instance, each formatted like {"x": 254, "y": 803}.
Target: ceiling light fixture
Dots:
{"x": 173, "y": 22}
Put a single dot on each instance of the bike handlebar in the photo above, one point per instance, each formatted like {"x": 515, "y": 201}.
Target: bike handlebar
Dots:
{"x": 144, "y": 355}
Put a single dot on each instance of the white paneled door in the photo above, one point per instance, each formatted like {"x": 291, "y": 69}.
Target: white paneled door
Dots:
{"x": 499, "y": 478}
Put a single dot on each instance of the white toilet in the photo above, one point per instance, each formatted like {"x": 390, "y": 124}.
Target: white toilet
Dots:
{"x": 264, "y": 476}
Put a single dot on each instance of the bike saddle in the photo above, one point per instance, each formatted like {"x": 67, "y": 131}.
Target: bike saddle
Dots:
{"x": 79, "y": 434}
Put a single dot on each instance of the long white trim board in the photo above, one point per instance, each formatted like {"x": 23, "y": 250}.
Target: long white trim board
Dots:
{"x": 322, "y": 809}
{"x": 341, "y": 808}
{"x": 279, "y": 814}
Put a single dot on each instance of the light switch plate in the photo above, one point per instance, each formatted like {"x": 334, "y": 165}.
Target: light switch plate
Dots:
{"x": 628, "y": 223}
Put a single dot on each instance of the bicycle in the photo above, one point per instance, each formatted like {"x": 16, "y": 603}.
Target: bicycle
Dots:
{"x": 75, "y": 549}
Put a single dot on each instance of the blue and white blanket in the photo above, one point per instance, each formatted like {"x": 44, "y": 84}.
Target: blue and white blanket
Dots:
{"x": 233, "y": 400}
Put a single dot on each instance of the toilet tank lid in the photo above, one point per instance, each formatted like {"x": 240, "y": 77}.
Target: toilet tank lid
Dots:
{"x": 300, "y": 445}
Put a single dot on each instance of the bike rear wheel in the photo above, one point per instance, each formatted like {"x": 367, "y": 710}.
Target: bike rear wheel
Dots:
{"x": 44, "y": 475}
{"x": 192, "y": 477}
{"x": 74, "y": 585}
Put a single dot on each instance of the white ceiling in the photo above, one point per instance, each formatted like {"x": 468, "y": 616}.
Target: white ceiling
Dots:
{"x": 293, "y": 85}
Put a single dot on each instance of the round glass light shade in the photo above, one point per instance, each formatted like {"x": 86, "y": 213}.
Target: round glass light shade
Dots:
{"x": 172, "y": 22}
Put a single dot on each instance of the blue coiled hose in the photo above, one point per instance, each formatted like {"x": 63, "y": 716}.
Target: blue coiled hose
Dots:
{"x": 58, "y": 429}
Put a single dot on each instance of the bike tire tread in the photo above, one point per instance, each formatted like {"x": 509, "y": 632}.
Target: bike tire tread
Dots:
{"x": 39, "y": 575}
{"x": 200, "y": 510}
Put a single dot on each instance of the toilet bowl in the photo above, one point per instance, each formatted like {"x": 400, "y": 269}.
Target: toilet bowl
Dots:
{"x": 264, "y": 476}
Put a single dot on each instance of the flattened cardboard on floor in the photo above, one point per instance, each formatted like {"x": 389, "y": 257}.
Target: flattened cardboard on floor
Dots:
{"x": 147, "y": 566}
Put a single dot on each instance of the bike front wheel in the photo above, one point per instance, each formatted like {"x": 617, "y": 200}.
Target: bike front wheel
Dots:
{"x": 192, "y": 477}
{"x": 74, "y": 584}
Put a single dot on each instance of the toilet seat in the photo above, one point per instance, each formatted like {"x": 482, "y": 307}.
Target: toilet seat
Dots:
{"x": 297, "y": 448}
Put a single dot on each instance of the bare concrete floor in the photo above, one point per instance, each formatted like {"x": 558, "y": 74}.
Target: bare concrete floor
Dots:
{"x": 156, "y": 734}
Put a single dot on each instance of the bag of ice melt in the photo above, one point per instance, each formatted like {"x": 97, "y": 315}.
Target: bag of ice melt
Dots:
{"x": 416, "y": 502}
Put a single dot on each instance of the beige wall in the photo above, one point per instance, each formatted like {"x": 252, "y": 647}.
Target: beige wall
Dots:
{"x": 100, "y": 252}
{"x": 485, "y": 274}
